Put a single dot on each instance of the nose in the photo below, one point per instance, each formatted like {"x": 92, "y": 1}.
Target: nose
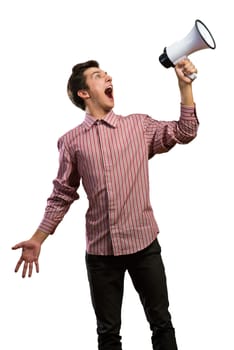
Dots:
{"x": 108, "y": 77}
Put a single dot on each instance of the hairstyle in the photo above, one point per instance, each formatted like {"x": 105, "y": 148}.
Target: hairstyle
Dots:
{"x": 77, "y": 82}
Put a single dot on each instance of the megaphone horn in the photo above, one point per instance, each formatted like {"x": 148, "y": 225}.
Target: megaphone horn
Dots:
{"x": 198, "y": 38}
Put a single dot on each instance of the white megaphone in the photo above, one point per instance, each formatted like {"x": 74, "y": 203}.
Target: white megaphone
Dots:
{"x": 197, "y": 39}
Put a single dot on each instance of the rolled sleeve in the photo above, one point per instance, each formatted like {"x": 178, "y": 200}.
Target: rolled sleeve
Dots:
{"x": 187, "y": 124}
{"x": 64, "y": 190}
{"x": 161, "y": 136}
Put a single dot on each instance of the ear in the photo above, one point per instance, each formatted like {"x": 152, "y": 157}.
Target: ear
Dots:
{"x": 83, "y": 94}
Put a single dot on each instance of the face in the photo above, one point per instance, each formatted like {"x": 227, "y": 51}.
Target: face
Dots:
{"x": 99, "y": 95}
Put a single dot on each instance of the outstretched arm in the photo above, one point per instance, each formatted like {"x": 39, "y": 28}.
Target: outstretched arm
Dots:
{"x": 30, "y": 253}
{"x": 64, "y": 193}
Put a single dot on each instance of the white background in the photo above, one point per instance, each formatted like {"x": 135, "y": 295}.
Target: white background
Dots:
{"x": 191, "y": 186}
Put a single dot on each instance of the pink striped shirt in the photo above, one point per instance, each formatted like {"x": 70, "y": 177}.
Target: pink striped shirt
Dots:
{"x": 111, "y": 156}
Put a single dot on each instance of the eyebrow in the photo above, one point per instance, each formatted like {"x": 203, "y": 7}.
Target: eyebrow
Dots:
{"x": 96, "y": 71}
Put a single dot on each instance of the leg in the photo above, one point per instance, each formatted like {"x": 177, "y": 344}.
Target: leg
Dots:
{"x": 148, "y": 276}
{"x": 106, "y": 279}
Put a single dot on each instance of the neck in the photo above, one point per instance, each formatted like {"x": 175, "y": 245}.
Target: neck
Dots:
{"x": 98, "y": 114}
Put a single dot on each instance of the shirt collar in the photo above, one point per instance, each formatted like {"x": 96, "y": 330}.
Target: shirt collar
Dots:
{"x": 110, "y": 119}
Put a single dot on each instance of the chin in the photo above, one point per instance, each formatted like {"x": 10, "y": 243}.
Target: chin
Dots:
{"x": 110, "y": 106}
{"x": 108, "y": 109}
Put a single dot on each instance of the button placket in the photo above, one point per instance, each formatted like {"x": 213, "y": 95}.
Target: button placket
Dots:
{"x": 107, "y": 170}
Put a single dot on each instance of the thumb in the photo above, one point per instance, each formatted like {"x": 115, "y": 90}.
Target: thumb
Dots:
{"x": 18, "y": 245}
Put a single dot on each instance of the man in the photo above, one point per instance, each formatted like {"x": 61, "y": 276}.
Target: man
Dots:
{"x": 110, "y": 154}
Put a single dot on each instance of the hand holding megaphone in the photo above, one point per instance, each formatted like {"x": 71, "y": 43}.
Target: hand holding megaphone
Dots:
{"x": 197, "y": 39}
{"x": 185, "y": 70}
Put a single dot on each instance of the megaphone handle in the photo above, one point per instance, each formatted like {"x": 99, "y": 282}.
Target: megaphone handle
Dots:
{"x": 192, "y": 76}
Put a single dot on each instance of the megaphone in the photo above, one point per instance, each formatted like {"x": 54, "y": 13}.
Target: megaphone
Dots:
{"x": 198, "y": 38}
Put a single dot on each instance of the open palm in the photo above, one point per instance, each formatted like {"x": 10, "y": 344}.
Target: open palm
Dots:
{"x": 30, "y": 254}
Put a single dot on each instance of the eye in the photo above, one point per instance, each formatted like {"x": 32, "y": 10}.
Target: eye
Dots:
{"x": 98, "y": 75}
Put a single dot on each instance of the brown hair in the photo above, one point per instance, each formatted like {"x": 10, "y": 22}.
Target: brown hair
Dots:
{"x": 77, "y": 82}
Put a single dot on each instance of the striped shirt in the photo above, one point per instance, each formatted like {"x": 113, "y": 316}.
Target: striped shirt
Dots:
{"x": 110, "y": 157}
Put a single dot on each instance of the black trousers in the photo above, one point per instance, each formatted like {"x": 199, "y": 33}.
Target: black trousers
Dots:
{"x": 106, "y": 279}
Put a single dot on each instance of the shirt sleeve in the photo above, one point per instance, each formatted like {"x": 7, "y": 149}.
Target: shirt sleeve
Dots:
{"x": 64, "y": 190}
{"x": 161, "y": 136}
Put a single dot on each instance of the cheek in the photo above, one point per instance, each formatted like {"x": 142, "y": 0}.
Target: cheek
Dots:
{"x": 98, "y": 92}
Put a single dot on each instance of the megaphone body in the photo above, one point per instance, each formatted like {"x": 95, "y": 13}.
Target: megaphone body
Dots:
{"x": 198, "y": 38}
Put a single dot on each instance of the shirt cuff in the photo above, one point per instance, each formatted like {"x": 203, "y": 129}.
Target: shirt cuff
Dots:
{"x": 188, "y": 112}
{"x": 47, "y": 226}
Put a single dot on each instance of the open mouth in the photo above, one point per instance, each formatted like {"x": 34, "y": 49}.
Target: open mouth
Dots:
{"x": 109, "y": 92}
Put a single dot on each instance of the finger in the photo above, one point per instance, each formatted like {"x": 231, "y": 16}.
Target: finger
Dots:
{"x": 18, "y": 265}
{"x": 18, "y": 245}
{"x": 183, "y": 76}
{"x": 190, "y": 68}
{"x": 37, "y": 266}
{"x": 25, "y": 269}
{"x": 182, "y": 62}
{"x": 30, "y": 269}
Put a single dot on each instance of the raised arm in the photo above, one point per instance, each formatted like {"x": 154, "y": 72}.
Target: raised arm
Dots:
{"x": 161, "y": 136}
{"x": 183, "y": 68}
